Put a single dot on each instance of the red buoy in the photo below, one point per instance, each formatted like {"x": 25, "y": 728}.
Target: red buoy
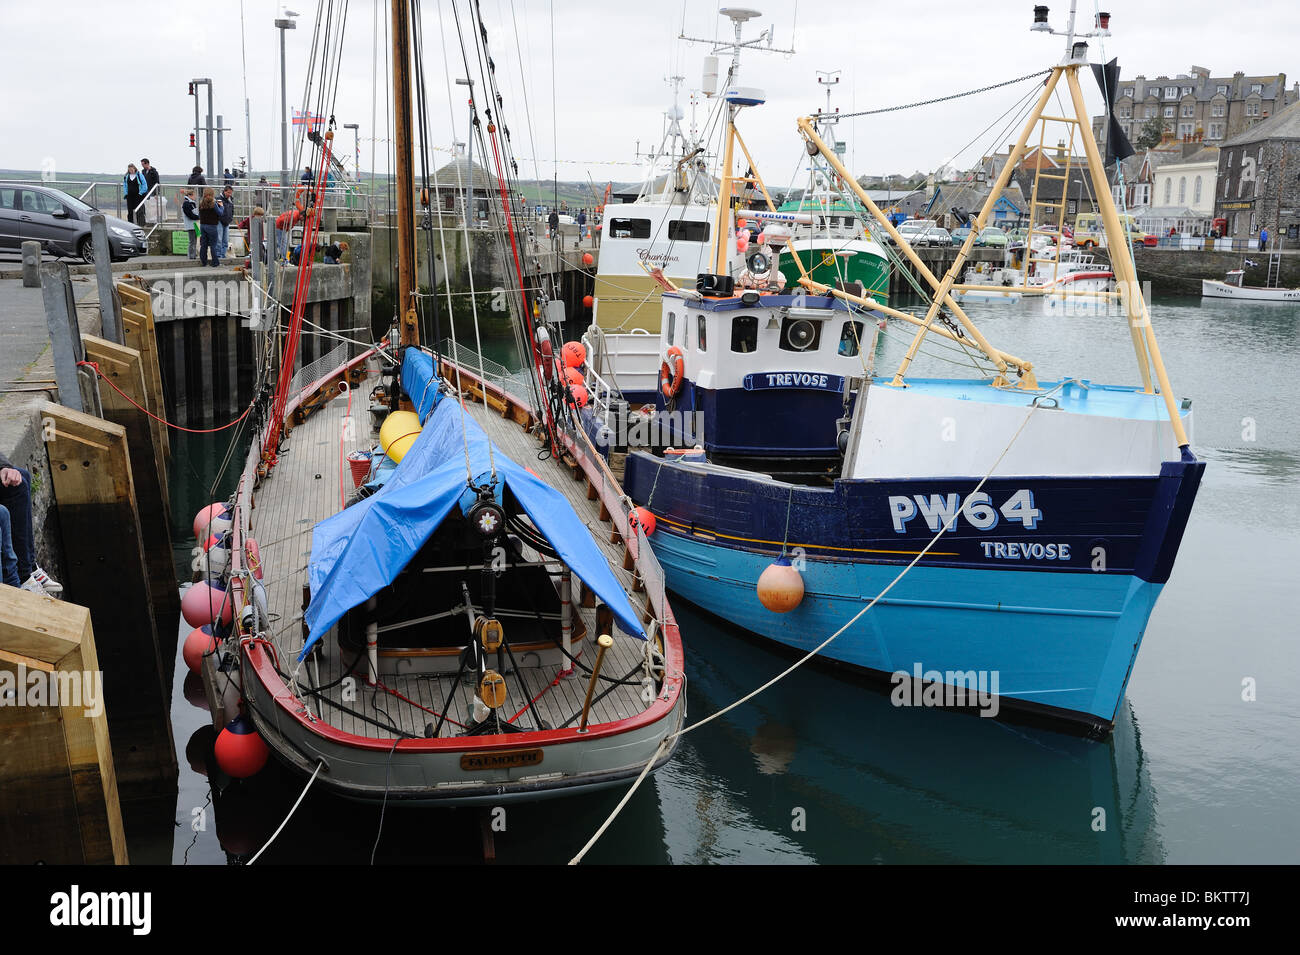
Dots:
{"x": 574, "y": 354}
{"x": 588, "y": 258}
{"x": 573, "y": 376}
{"x": 240, "y": 751}
{"x": 580, "y": 395}
{"x": 642, "y": 516}
{"x": 587, "y": 301}
{"x": 197, "y": 645}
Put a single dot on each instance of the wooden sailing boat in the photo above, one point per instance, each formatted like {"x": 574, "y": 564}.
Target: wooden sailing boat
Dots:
{"x": 482, "y": 621}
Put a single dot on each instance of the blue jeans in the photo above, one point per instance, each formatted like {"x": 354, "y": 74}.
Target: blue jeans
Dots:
{"x": 17, "y": 548}
{"x": 223, "y": 240}
{"x": 208, "y": 239}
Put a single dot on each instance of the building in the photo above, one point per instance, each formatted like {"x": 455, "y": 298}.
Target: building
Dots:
{"x": 1258, "y": 182}
{"x": 1218, "y": 107}
{"x": 1182, "y": 195}
{"x": 455, "y": 182}
{"x": 898, "y": 202}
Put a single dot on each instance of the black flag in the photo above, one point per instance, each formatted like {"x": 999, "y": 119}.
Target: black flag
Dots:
{"x": 1117, "y": 144}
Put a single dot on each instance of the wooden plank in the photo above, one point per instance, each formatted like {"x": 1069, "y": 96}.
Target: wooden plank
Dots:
{"x": 105, "y": 569}
{"x": 207, "y": 398}
{"x": 140, "y": 332}
{"x": 124, "y": 368}
{"x": 58, "y": 791}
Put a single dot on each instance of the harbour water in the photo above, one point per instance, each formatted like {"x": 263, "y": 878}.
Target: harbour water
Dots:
{"x": 1202, "y": 768}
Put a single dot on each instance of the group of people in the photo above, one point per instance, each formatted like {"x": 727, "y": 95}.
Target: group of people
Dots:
{"x": 137, "y": 184}
{"x": 210, "y": 217}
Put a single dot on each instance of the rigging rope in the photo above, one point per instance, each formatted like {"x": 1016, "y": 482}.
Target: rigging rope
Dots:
{"x": 944, "y": 99}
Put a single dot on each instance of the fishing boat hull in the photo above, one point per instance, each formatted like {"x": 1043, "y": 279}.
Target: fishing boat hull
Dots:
{"x": 1213, "y": 288}
{"x": 846, "y": 261}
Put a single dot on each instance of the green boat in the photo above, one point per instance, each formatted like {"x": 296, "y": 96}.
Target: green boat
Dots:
{"x": 834, "y": 246}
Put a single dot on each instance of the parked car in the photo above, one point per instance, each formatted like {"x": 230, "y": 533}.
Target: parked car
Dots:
{"x": 993, "y": 237}
{"x": 910, "y": 228}
{"x": 932, "y": 236}
{"x": 959, "y": 234}
{"x": 60, "y": 223}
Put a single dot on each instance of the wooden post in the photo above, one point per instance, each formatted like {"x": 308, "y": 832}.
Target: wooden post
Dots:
{"x": 110, "y": 309}
{"x": 138, "y": 332}
{"x": 105, "y": 570}
{"x": 124, "y": 367}
{"x": 65, "y": 336}
{"x": 58, "y": 792}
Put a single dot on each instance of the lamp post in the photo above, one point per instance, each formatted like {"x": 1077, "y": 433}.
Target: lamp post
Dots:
{"x": 469, "y": 187}
{"x": 282, "y": 23}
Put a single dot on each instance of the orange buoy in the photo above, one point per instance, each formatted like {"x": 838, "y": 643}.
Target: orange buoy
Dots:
{"x": 574, "y": 377}
{"x": 240, "y": 751}
{"x": 587, "y": 301}
{"x": 580, "y": 395}
{"x": 641, "y": 516}
{"x": 780, "y": 586}
{"x": 197, "y": 645}
{"x": 741, "y": 223}
{"x": 588, "y": 258}
{"x": 573, "y": 354}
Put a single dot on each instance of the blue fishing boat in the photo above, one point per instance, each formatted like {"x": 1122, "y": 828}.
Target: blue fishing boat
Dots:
{"x": 995, "y": 542}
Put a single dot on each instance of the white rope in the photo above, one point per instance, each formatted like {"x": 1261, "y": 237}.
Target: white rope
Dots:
{"x": 301, "y": 795}
{"x": 820, "y": 647}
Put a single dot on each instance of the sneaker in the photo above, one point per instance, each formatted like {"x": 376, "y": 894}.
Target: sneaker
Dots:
{"x": 42, "y": 582}
{"x": 32, "y": 586}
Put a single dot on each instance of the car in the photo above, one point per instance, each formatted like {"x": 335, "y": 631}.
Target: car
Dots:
{"x": 909, "y": 228}
{"x": 992, "y": 237}
{"x": 959, "y": 234}
{"x": 60, "y": 223}
{"x": 931, "y": 237}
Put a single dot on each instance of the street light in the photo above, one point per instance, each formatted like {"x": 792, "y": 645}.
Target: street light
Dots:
{"x": 469, "y": 172}
{"x": 282, "y": 23}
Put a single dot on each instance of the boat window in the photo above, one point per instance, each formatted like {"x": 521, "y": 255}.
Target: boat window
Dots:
{"x": 629, "y": 228}
{"x": 850, "y": 337}
{"x": 686, "y": 230}
{"x": 744, "y": 333}
{"x": 700, "y": 327}
{"x": 672, "y": 327}
{"x": 800, "y": 334}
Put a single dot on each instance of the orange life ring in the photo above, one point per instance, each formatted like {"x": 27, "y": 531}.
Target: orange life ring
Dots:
{"x": 672, "y": 377}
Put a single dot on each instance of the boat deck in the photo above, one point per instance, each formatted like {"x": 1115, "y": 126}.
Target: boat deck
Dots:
{"x": 306, "y": 487}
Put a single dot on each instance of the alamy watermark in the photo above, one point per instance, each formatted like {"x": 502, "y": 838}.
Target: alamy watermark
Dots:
{"x": 24, "y": 687}
{"x": 663, "y": 429}
{"x": 179, "y": 297}
{"x": 977, "y": 689}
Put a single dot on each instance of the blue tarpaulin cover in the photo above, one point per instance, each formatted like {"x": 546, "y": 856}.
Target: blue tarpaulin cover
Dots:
{"x": 360, "y": 550}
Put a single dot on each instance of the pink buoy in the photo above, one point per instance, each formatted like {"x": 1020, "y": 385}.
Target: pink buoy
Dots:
{"x": 240, "y": 751}
{"x": 253, "y": 557}
{"x": 205, "y": 603}
{"x": 216, "y": 555}
{"x": 197, "y": 645}
{"x": 213, "y": 519}
{"x": 642, "y": 516}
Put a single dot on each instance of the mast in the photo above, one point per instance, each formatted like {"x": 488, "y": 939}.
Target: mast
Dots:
{"x": 406, "y": 274}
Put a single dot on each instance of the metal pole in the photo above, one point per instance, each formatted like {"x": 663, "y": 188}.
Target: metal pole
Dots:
{"x": 284, "y": 127}
{"x": 210, "y": 152}
{"x": 110, "y": 309}
{"x": 197, "y": 160}
{"x": 221, "y": 149}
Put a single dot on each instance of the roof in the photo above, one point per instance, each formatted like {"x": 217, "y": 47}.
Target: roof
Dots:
{"x": 1284, "y": 124}
{"x": 1210, "y": 154}
{"x": 891, "y": 195}
{"x": 459, "y": 173}
{"x": 1050, "y": 189}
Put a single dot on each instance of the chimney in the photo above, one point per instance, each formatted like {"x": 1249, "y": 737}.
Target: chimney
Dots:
{"x": 1060, "y": 150}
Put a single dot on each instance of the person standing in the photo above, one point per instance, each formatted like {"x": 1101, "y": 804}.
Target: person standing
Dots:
{"x": 582, "y": 224}
{"x": 196, "y": 177}
{"x": 306, "y": 175}
{"x": 227, "y": 217}
{"x": 263, "y": 192}
{"x": 190, "y": 214}
{"x": 152, "y": 182}
{"x": 553, "y": 225}
{"x": 1263, "y": 239}
{"x": 133, "y": 189}
{"x": 227, "y": 177}
{"x": 17, "y": 544}
{"x": 209, "y": 223}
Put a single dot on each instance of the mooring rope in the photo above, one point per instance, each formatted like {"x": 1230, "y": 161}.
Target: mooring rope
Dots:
{"x": 816, "y": 650}
{"x": 301, "y": 796}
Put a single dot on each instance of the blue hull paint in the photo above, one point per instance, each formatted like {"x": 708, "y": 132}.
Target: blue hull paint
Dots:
{"x": 1063, "y": 643}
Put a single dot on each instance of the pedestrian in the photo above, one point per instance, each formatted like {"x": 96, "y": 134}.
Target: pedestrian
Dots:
{"x": 155, "y": 187}
{"x": 284, "y": 224}
{"x": 227, "y": 217}
{"x": 190, "y": 214}
{"x": 306, "y": 174}
{"x": 196, "y": 177}
{"x": 263, "y": 192}
{"x": 227, "y": 177}
{"x": 17, "y": 544}
{"x": 209, "y": 223}
{"x": 1263, "y": 240}
{"x": 134, "y": 187}
{"x": 553, "y": 225}
{"x": 333, "y": 251}
{"x": 582, "y": 224}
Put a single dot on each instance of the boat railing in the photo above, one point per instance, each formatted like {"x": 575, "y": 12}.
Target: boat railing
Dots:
{"x": 514, "y": 383}
{"x": 322, "y": 366}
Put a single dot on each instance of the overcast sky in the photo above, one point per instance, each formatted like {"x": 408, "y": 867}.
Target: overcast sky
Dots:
{"x": 93, "y": 84}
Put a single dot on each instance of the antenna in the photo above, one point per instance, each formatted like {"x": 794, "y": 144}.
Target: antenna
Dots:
{"x": 1075, "y": 50}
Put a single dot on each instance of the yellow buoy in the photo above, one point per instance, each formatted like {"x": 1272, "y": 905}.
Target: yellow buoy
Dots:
{"x": 398, "y": 433}
{"x": 780, "y": 586}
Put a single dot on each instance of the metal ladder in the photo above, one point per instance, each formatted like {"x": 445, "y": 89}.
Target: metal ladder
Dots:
{"x": 1274, "y": 268}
